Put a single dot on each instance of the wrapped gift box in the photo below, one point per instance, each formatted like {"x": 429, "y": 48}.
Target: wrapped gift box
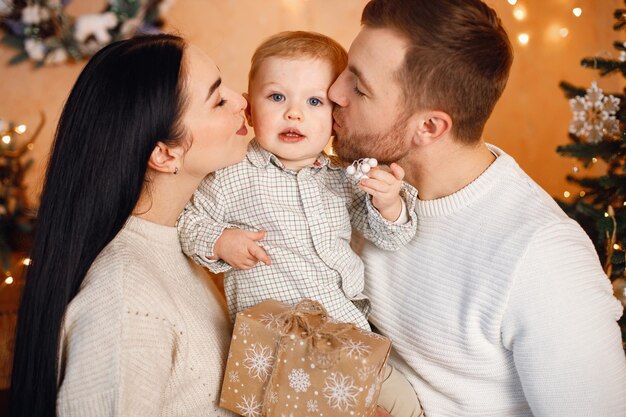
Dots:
{"x": 294, "y": 362}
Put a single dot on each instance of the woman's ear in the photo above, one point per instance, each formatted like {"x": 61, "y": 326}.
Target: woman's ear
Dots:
{"x": 248, "y": 111}
{"x": 165, "y": 158}
{"x": 430, "y": 126}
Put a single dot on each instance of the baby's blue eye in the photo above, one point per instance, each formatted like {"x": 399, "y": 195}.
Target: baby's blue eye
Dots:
{"x": 277, "y": 97}
{"x": 314, "y": 101}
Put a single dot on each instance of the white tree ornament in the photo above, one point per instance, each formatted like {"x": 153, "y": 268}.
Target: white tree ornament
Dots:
{"x": 594, "y": 115}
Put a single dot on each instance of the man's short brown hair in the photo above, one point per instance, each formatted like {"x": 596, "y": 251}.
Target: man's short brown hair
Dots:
{"x": 300, "y": 45}
{"x": 458, "y": 59}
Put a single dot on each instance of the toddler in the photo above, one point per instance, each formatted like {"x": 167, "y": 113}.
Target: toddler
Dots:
{"x": 279, "y": 223}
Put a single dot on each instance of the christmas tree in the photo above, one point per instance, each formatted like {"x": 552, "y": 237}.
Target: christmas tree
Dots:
{"x": 597, "y": 134}
{"x": 16, "y": 219}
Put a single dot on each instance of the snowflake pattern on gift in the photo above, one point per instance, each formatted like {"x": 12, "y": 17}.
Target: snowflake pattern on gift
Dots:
{"x": 312, "y": 407}
{"x": 244, "y": 329}
{"x": 299, "y": 380}
{"x": 340, "y": 391}
{"x": 270, "y": 321}
{"x": 249, "y": 407}
{"x": 372, "y": 335}
{"x": 594, "y": 115}
{"x": 370, "y": 395}
{"x": 355, "y": 349}
{"x": 273, "y": 399}
{"x": 233, "y": 376}
{"x": 259, "y": 361}
{"x": 365, "y": 371}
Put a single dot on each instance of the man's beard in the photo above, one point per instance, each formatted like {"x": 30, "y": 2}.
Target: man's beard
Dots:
{"x": 386, "y": 147}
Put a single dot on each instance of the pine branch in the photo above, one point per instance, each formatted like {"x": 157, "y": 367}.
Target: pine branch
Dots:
{"x": 604, "y": 66}
{"x": 571, "y": 90}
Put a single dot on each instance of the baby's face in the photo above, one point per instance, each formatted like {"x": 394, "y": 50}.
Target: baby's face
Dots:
{"x": 290, "y": 110}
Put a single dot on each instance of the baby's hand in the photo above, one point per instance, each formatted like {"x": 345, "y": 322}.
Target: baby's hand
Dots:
{"x": 384, "y": 187}
{"x": 239, "y": 248}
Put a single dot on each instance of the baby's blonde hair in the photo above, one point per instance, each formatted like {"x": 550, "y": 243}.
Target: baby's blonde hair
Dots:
{"x": 300, "y": 45}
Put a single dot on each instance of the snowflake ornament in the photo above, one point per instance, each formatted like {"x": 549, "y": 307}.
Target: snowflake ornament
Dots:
{"x": 340, "y": 391}
{"x": 249, "y": 407}
{"x": 259, "y": 361}
{"x": 594, "y": 115}
{"x": 299, "y": 380}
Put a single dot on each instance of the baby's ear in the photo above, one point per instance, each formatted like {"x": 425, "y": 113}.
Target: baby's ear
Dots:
{"x": 248, "y": 111}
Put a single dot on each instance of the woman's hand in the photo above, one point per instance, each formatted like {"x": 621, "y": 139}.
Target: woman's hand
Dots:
{"x": 384, "y": 187}
{"x": 239, "y": 248}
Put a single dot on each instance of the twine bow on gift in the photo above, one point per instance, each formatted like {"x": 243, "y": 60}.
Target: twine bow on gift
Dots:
{"x": 310, "y": 321}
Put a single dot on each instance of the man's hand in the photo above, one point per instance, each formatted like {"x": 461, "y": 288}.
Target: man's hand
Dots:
{"x": 384, "y": 187}
{"x": 239, "y": 248}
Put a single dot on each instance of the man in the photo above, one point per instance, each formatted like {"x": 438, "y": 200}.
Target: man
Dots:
{"x": 499, "y": 306}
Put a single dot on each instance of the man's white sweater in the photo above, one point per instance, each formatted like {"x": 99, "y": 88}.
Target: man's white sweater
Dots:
{"x": 499, "y": 306}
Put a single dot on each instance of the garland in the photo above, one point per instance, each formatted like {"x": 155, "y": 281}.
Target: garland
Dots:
{"x": 43, "y": 32}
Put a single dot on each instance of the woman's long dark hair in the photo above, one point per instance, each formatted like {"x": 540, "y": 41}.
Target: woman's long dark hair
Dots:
{"x": 128, "y": 97}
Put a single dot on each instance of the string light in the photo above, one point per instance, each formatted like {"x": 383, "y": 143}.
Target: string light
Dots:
{"x": 27, "y": 261}
{"x": 6, "y": 139}
{"x": 582, "y": 194}
{"x": 523, "y": 38}
{"x": 563, "y": 32}
{"x": 30, "y": 146}
{"x": 566, "y": 194}
{"x": 20, "y": 129}
{"x": 577, "y": 11}
{"x": 8, "y": 280}
{"x": 606, "y": 214}
{"x": 594, "y": 160}
{"x": 519, "y": 13}
{"x": 617, "y": 246}
{"x": 512, "y": 2}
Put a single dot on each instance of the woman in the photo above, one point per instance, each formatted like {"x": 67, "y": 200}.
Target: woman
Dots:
{"x": 115, "y": 320}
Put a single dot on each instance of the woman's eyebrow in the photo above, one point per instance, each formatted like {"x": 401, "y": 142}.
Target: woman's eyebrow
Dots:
{"x": 214, "y": 86}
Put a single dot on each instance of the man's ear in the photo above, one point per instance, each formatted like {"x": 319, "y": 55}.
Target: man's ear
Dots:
{"x": 165, "y": 158}
{"x": 430, "y": 126}
{"x": 248, "y": 111}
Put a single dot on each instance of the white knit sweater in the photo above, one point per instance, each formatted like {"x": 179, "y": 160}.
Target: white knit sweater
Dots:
{"x": 499, "y": 306}
{"x": 147, "y": 334}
